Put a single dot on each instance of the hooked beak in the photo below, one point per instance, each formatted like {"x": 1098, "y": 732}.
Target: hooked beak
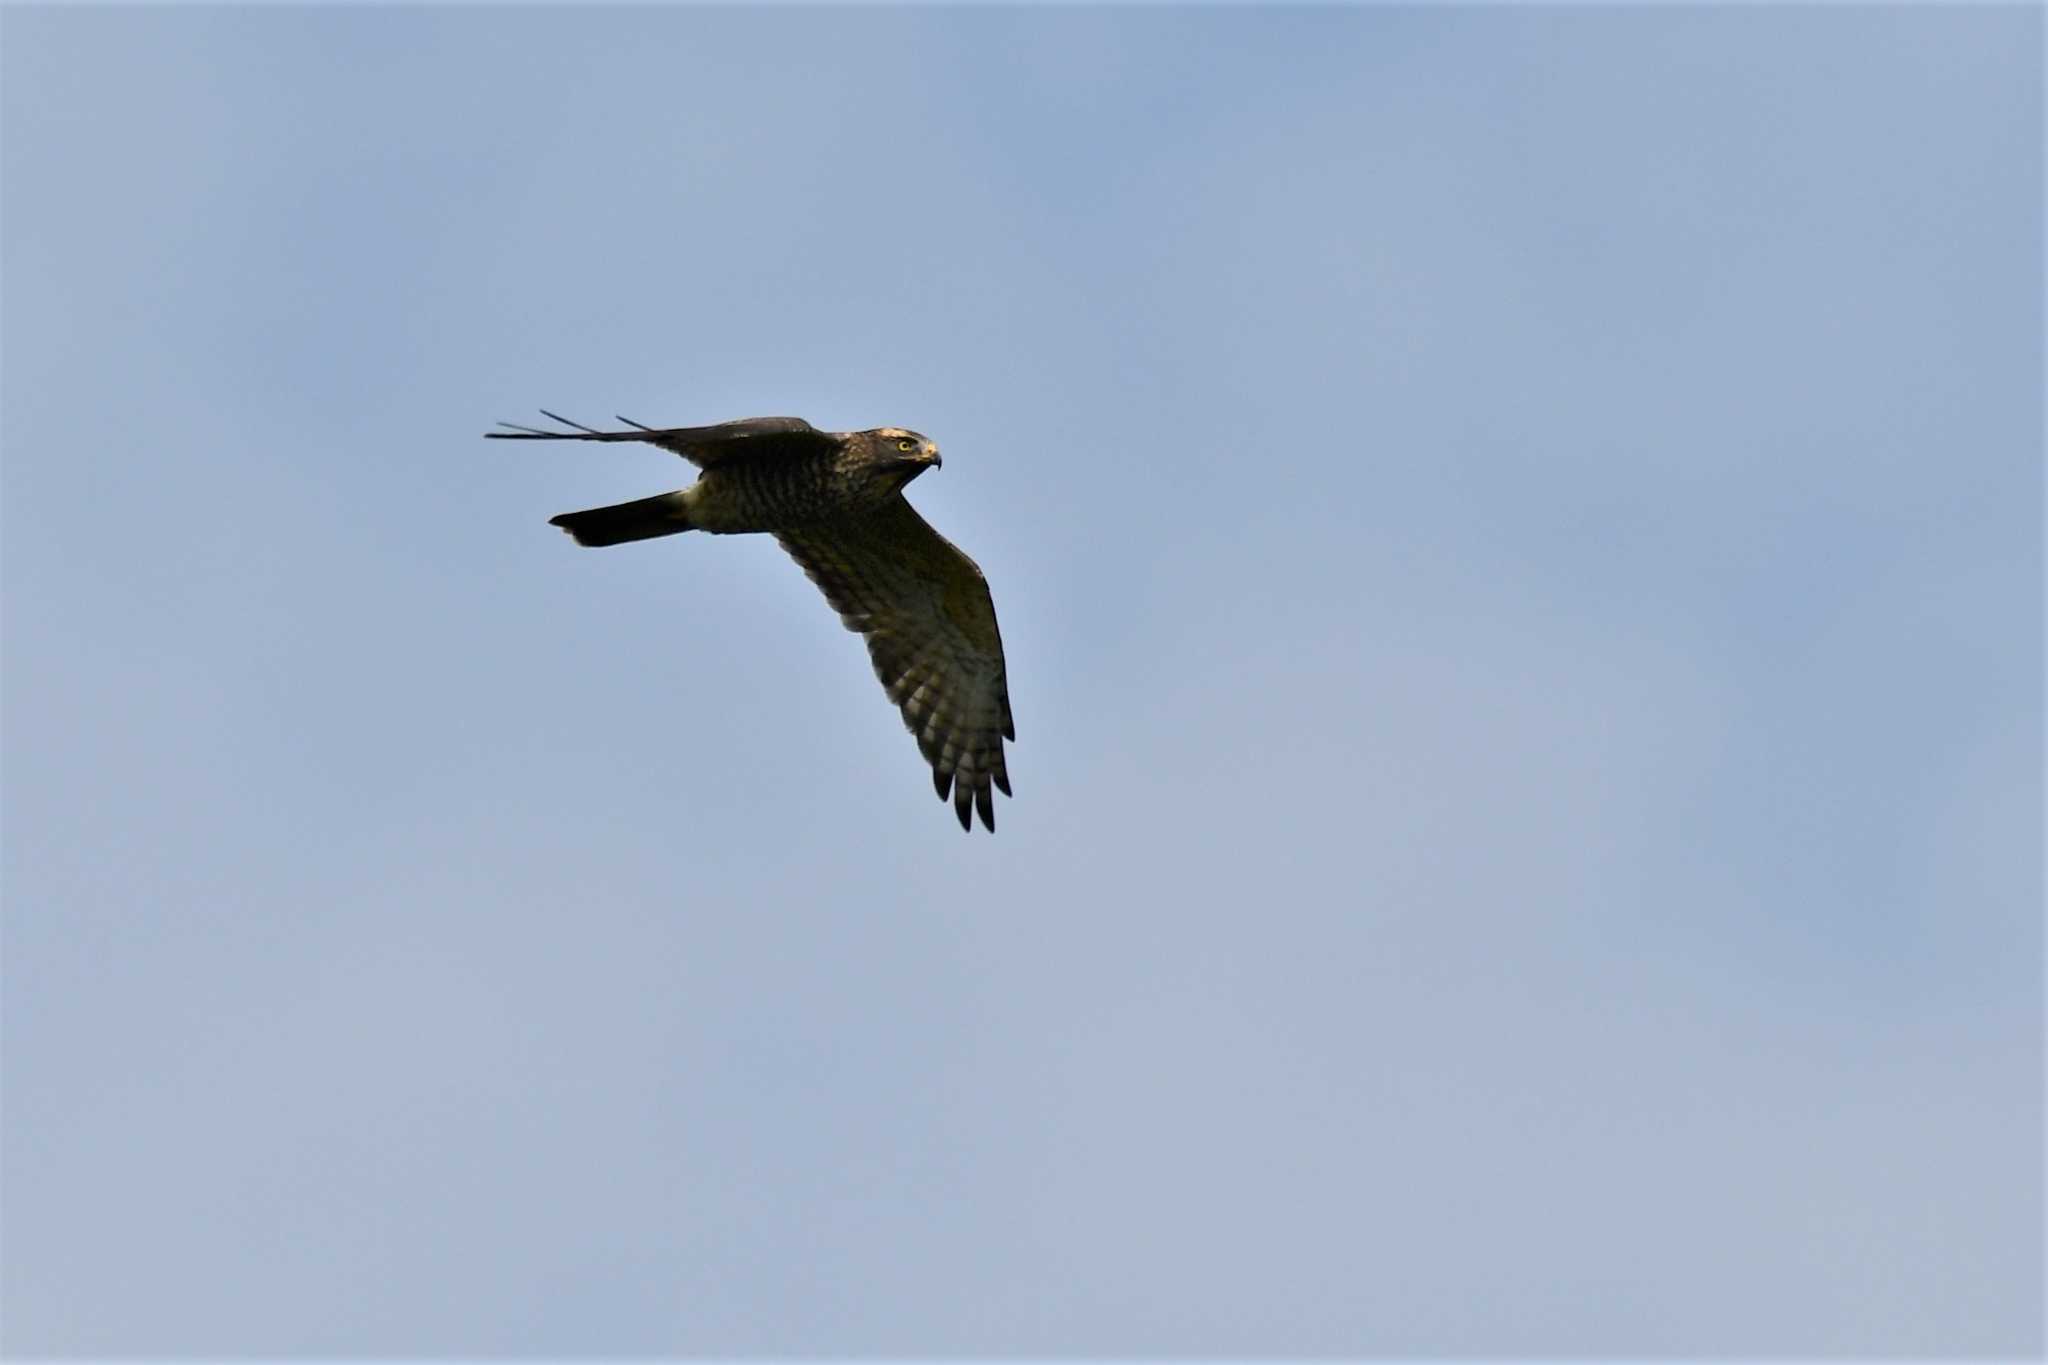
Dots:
{"x": 937, "y": 463}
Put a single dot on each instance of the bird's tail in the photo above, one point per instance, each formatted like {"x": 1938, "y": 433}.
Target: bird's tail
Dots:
{"x": 663, "y": 515}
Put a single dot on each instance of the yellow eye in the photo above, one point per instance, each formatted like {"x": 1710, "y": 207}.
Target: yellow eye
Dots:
{"x": 906, "y": 445}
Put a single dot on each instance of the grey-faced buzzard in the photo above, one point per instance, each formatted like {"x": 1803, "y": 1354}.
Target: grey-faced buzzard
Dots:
{"x": 834, "y": 499}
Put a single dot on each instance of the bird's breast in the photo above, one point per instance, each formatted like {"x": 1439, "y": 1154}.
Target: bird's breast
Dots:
{"x": 768, "y": 495}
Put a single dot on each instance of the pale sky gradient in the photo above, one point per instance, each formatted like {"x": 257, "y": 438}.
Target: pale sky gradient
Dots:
{"x": 1518, "y": 533}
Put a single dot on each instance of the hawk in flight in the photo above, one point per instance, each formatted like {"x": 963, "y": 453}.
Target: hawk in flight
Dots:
{"x": 834, "y": 499}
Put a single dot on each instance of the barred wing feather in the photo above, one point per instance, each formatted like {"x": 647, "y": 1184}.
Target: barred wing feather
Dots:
{"x": 930, "y": 625}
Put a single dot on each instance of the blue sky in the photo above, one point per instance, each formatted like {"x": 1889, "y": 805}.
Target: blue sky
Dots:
{"x": 1518, "y": 536}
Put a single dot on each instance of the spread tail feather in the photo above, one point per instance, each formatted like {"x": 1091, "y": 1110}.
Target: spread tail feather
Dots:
{"x": 643, "y": 519}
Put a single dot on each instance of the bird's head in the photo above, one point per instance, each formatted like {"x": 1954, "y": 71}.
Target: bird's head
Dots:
{"x": 902, "y": 454}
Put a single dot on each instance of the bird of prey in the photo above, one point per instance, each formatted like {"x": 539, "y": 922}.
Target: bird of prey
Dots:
{"x": 834, "y": 499}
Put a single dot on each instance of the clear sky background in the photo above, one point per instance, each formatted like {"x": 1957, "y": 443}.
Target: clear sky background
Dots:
{"x": 1518, "y": 534}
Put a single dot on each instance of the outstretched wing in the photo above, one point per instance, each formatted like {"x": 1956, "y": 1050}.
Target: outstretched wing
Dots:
{"x": 702, "y": 446}
{"x": 931, "y": 631}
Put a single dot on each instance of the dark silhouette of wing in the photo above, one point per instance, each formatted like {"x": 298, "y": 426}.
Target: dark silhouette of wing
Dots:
{"x": 703, "y": 446}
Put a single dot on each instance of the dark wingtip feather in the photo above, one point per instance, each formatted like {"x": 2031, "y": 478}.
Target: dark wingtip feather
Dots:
{"x": 985, "y": 805}
{"x": 1003, "y": 782}
{"x": 1009, "y": 729}
{"x": 568, "y": 423}
{"x": 943, "y": 781}
{"x": 642, "y": 426}
{"x": 962, "y": 809}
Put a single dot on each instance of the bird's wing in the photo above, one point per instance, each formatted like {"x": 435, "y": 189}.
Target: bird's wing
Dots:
{"x": 702, "y": 446}
{"x": 931, "y": 631}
